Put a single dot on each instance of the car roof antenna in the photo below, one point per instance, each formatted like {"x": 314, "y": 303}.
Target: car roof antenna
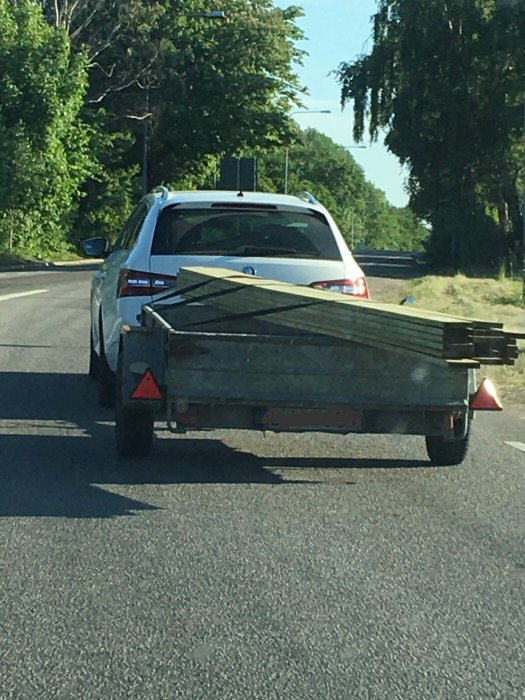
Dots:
{"x": 240, "y": 193}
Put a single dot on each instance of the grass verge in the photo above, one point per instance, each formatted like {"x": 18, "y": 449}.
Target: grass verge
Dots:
{"x": 498, "y": 300}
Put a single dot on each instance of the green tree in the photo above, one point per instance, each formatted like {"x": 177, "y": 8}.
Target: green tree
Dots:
{"x": 43, "y": 143}
{"x": 223, "y": 87}
{"x": 201, "y": 88}
{"x": 445, "y": 82}
{"x": 319, "y": 165}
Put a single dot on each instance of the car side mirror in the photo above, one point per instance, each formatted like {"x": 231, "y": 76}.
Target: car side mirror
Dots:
{"x": 96, "y": 247}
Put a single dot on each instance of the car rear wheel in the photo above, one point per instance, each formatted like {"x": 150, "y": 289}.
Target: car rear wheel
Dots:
{"x": 94, "y": 360}
{"x": 106, "y": 378}
{"x": 106, "y": 384}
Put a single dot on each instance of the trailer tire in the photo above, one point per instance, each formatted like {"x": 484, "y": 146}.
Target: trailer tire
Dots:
{"x": 94, "y": 359}
{"x": 134, "y": 432}
{"x": 447, "y": 453}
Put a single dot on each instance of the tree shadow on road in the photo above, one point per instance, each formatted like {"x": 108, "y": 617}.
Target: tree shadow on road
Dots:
{"x": 57, "y": 451}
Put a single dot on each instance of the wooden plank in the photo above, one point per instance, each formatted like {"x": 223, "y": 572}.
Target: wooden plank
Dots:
{"x": 320, "y": 298}
{"x": 493, "y": 361}
{"x": 323, "y": 299}
{"x": 465, "y": 363}
{"x": 379, "y": 325}
{"x": 237, "y": 281}
{"x": 512, "y": 333}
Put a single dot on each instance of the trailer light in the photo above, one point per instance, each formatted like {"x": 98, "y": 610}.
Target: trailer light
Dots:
{"x": 133, "y": 283}
{"x": 147, "y": 389}
{"x": 356, "y": 287}
{"x": 486, "y": 398}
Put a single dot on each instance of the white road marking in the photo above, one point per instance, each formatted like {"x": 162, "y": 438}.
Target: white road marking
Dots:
{"x": 17, "y": 295}
{"x": 42, "y": 428}
{"x": 517, "y": 445}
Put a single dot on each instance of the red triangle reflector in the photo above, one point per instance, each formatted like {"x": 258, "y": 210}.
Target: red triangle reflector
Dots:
{"x": 147, "y": 388}
{"x": 486, "y": 398}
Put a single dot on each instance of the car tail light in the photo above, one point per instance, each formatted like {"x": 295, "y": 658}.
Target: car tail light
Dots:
{"x": 133, "y": 283}
{"x": 357, "y": 287}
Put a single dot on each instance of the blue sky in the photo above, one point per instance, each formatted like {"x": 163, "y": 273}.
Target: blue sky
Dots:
{"x": 337, "y": 31}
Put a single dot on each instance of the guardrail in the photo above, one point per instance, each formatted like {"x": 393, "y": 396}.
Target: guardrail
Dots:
{"x": 391, "y": 263}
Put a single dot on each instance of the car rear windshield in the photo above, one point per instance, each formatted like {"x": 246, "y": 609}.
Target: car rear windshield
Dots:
{"x": 244, "y": 232}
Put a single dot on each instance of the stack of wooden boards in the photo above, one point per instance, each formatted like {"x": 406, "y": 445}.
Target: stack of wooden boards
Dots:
{"x": 380, "y": 325}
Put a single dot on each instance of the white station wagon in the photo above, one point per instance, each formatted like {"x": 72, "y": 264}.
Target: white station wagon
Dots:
{"x": 289, "y": 238}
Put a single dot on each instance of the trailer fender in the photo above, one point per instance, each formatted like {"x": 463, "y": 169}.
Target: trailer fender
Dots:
{"x": 142, "y": 357}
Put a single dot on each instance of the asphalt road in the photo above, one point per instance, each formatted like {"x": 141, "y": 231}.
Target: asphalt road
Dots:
{"x": 237, "y": 566}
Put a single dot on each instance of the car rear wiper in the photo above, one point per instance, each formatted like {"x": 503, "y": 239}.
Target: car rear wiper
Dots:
{"x": 263, "y": 251}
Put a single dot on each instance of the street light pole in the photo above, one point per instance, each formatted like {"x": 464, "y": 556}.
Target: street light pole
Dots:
{"x": 286, "y": 171}
{"x": 287, "y": 152}
{"x": 354, "y": 145}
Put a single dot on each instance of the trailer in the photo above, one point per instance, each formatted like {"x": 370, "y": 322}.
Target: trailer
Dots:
{"x": 199, "y": 369}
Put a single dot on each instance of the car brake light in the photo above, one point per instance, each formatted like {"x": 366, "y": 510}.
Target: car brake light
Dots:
{"x": 357, "y": 287}
{"x": 133, "y": 283}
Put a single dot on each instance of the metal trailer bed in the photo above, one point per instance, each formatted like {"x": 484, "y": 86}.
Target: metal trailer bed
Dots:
{"x": 204, "y": 370}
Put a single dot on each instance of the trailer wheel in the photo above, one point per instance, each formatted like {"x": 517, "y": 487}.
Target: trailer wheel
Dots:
{"x": 134, "y": 432}
{"x": 447, "y": 453}
{"x": 94, "y": 360}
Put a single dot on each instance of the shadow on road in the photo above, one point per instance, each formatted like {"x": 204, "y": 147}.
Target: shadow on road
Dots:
{"x": 57, "y": 450}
